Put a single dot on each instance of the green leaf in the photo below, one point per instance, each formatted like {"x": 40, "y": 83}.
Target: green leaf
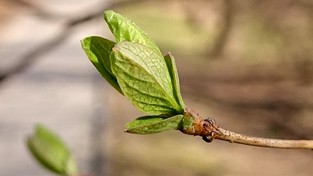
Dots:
{"x": 125, "y": 30}
{"x": 171, "y": 65}
{"x": 144, "y": 78}
{"x": 51, "y": 152}
{"x": 98, "y": 50}
{"x": 154, "y": 124}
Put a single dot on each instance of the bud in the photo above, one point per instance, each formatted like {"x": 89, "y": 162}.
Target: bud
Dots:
{"x": 135, "y": 67}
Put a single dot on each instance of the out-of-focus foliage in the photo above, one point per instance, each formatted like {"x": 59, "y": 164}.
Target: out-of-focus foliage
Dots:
{"x": 49, "y": 150}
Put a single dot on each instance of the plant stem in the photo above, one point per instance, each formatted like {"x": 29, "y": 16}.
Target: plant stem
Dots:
{"x": 209, "y": 130}
{"x": 262, "y": 142}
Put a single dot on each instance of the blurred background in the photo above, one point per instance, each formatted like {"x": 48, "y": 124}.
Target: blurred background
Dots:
{"x": 248, "y": 64}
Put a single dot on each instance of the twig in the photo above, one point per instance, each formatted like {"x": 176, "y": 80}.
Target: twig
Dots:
{"x": 33, "y": 55}
{"x": 209, "y": 130}
{"x": 224, "y": 29}
{"x": 263, "y": 142}
{"x": 29, "y": 58}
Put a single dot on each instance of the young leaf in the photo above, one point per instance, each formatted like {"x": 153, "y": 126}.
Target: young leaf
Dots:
{"x": 154, "y": 124}
{"x": 51, "y": 152}
{"x": 171, "y": 66}
{"x": 98, "y": 50}
{"x": 144, "y": 78}
{"x": 137, "y": 69}
{"x": 124, "y": 29}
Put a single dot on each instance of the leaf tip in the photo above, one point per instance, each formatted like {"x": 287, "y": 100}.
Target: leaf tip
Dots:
{"x": 108, "y": 15}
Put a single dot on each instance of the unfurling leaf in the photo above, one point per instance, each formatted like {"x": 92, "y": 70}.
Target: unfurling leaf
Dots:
{"x": 171, "y": 66}
{"x": 124, "y": 29}
{"x": 135, "y": 66}
{"x": 144, "y": 78}
{"x": 98, "y": 51}
{"x": 154, "y": 124}
{"x": 51, "y": 152}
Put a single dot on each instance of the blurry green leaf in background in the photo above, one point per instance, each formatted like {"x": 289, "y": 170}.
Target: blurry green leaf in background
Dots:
{"x": 49, "y": 150}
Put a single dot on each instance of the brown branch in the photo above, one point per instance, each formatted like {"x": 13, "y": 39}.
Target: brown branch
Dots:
{"x": 33, "y": 6}
{"x": 31, "y": 57}
{"x": 224, "y": 29}
{"x": 262, "y": 142}
{"x": 209, "y": 130}
{"x": 28, "y": 59}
